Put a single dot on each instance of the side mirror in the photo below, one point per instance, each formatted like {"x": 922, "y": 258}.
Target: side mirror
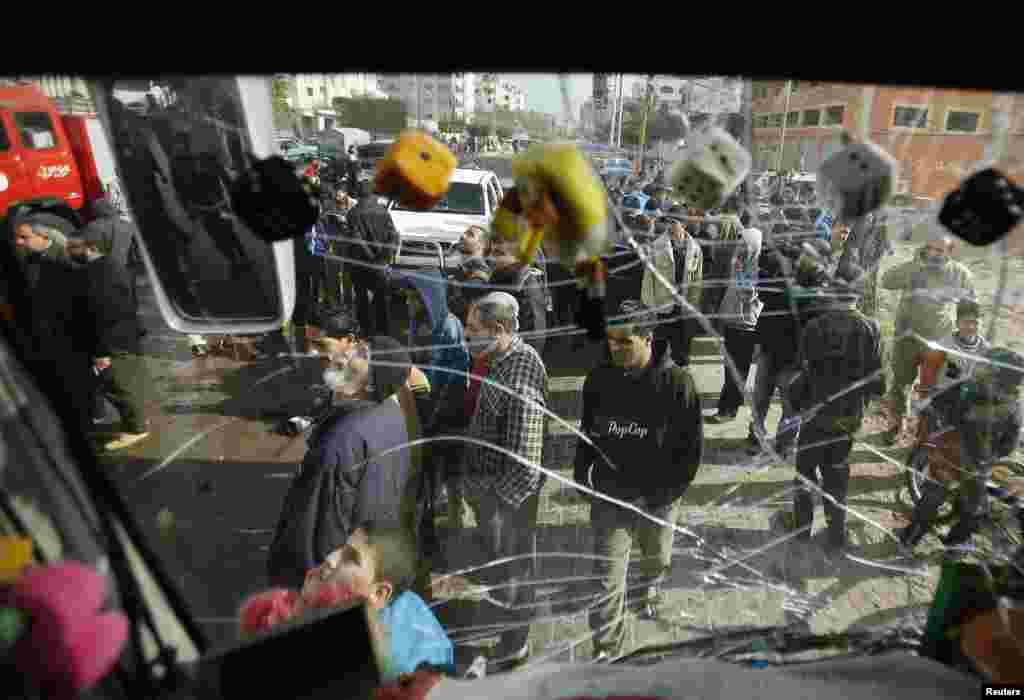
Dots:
{"x": 212, "y": 271}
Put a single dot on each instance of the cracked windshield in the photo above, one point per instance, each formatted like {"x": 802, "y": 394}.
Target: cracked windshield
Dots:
{"x": 589, "y": 369}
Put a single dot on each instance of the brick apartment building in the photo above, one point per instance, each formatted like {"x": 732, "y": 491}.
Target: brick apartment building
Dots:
{"x": 937, "y": 136}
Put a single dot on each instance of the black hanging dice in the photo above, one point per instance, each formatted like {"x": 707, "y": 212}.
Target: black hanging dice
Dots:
{"x": 985, "y": 207}
{"x": 273, "y": 201}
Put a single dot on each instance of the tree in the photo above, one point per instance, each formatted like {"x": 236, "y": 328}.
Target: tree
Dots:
{"x": 479, "y": 130}
{"x": 280, "y": 92}
{"x": 371, "y": 114}
{"x": 632, "y": 125}
{"x": 449, "y": 126}
{"x": 665, "y": 126}
{"x": 504, "y": 132}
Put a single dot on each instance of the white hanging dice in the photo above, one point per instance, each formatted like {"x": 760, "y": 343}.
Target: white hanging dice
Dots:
{"x": 857, "y": 180}
{"x": 712, "y": 168}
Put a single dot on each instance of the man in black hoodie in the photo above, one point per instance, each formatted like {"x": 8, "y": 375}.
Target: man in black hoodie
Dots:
{"x": 374, "y": 243}
{"x": 117, "y": 355}
{"x": 643, "y": 414}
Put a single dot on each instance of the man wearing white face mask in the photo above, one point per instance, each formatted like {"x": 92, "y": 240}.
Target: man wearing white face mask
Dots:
{"x": 503, "y": 491}
{"x": 356, "y": 467}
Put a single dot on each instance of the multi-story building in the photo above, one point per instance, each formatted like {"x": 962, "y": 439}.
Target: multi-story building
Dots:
{"x": 693, "y": 95}
{"x": 312, "y": 96}
{"x": 493, "y": 92}
{"x": 432, "y": 97}
{"x": 713, "y": 96}
{"x": 937, "y": 136}
{"x": 69, "y": 93}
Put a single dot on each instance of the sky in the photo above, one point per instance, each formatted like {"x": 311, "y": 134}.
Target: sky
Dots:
{"x": 544, "y": 90}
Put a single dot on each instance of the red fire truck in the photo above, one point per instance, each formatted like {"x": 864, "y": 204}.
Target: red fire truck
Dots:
{"x": 47, "y": 159}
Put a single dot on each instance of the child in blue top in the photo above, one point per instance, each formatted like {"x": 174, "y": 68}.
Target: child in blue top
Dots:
{"x": 375, "y": 566}
{"x": 378, "y": 564}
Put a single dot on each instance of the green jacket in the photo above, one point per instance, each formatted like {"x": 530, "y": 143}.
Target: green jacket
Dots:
{"x": 929, "y": 299}
{"x": 690, "y": 270}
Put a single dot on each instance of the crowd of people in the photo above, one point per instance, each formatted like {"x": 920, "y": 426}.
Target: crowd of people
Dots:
{"x": 459, "y": 415}
{"x": 81, "y": 299}
{"x": 483, "y": 400}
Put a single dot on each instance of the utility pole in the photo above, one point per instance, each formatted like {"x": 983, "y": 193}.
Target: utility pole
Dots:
{"x": 747, "y": 110}
{"x": 649, "y": 96}
{"x": 785, "y": 118}
{"x": 419, "y": 101}
{"x": 614, "y": 110}
{"x": 618, "y": 134}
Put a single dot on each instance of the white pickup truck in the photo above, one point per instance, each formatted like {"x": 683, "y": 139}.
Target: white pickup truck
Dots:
{"x": 429, "y": 237}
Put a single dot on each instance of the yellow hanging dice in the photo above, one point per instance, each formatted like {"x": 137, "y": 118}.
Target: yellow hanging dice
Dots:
{"x": 416, "y": 171}
{"x": 561, "y": 195}
{"x": 15, "y": 556}
{"x": 511, "y": 224}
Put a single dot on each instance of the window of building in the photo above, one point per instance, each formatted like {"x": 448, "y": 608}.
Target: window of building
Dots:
{"x": 309, "y": 92}
{"x": 5, "y": 141}
{"x": 962, "y": 122}
{"x": 834, "y": 115}
{"x": 36, "y": 129}
{"x": 793, "y": 119}
{"x": 910, "y": 117}
{"x": 812, "y": 117}
{"x": 667, "y": 90}
{"x": 323, "y": 90}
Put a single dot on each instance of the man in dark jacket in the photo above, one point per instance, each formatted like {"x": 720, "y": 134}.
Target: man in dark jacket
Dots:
{"x": 643, "y": 414}
{"x": 778, "y": 331}
{"x": 471, "y": 275}
{"x": 838, "y": 348}
{"x": 116, "y": 234}
{"x": 117, "y": 356}
{"x": 353, "y": 470}
{"x": 352, "y": 170}
{"x": 525, "y": 283}
{"x": 32, "y": 236}
{"x": 58, "y": 314}
{"x": 374, "y": 243}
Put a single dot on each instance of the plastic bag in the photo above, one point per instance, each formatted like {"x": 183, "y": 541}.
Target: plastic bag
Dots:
{"x": 653, "y": 292}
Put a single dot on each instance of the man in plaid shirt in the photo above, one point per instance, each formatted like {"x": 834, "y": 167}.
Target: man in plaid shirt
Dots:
{"x": 504, "y": 492}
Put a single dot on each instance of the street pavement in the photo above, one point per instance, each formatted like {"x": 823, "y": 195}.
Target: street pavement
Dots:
{"x": 207, "y": 487}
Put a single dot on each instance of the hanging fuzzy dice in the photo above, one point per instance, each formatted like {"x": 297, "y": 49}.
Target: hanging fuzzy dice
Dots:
{"x": 711, "y": 170}
{"x": 985, "y": 207}
{"x": 56, "y": 629}
{"x": 564, "y": 203}
{"x": 857, "y": 180}
{"x": 416, "y": 171}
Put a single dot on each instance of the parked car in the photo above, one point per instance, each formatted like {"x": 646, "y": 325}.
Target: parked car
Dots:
{"x": 296, "y": 151}
{"x": 369, "y": 155}
{"x": 799, "y": 217}
{"x": 634, "y": 203}
{"x": 472, "y": 199}
{"x": 616, "y": 167}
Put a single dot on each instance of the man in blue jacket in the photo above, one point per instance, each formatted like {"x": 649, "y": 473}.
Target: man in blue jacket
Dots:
{"x": 426, "y": 293}
{"x": 643, "y": 414}
{"x": 427, "y": 296}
